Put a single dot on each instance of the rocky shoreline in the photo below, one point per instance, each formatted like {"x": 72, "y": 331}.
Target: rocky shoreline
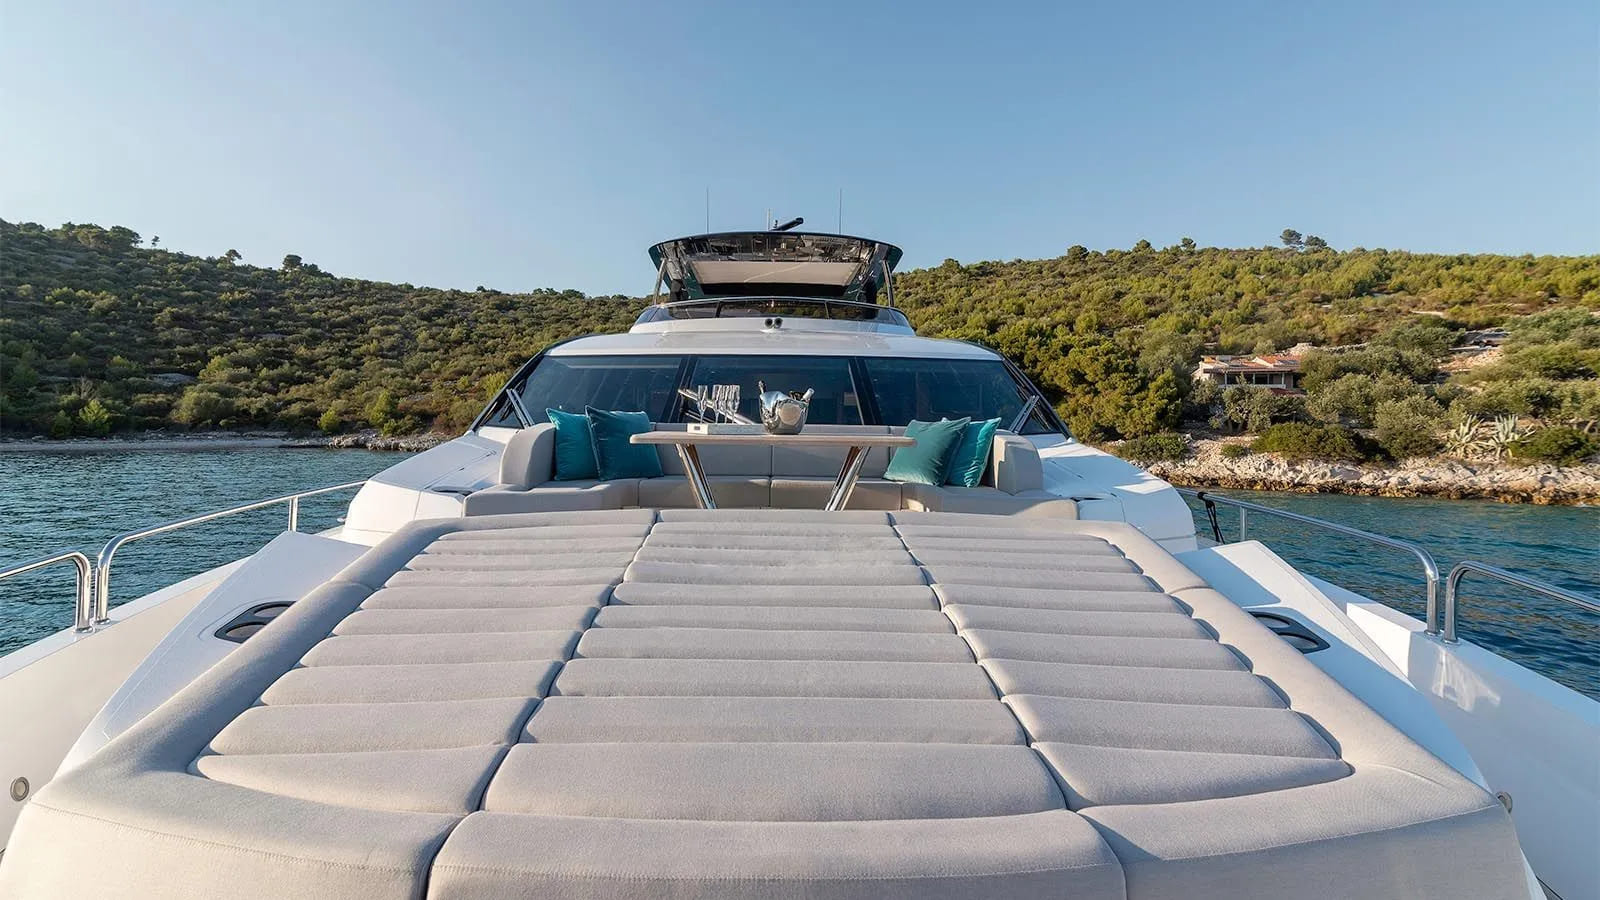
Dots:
{"x": 227, "y": 440}
{"x": 372, "y": 440}
{"x": 1451, "y": 479}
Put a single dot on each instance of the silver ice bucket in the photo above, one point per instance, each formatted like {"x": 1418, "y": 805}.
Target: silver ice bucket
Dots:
{"x": 783, "y": 413}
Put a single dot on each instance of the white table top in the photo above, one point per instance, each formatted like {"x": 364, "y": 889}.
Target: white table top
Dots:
{"x": 803, "y": 438}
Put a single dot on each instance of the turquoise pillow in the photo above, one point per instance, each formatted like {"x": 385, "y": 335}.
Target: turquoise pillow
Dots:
{"x": 925, "y": 462}
{"x": 614, "y": 455}
{"x": 970, "y": 457}
{"x": 574, "y": 446}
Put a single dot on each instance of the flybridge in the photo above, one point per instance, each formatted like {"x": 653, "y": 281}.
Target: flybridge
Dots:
{"x": 774, "y": 264}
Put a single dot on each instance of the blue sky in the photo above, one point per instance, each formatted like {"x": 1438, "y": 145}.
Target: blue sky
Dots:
{"x": 526, "y": 145}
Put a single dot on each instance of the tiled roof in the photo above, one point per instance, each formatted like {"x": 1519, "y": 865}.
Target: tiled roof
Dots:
{"x": 1272, "y": 362}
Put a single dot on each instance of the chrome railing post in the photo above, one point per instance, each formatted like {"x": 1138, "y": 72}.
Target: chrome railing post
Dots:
{"x": 1452, "y": 593}
{"x": 83, "y": 615}
{"x": 1243, "y": 523}
{"x": 1430, "y": 622}
{"x": 294, "y": 513}
{"x": 83, "y": 605}
{"x": 102, "y": 579}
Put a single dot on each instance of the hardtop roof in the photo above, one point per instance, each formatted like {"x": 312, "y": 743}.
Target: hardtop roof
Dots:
{"x": 782, "y": 263}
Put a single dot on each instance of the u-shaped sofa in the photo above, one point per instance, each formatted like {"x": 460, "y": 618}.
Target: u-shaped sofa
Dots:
{"x": 745, "y": 476}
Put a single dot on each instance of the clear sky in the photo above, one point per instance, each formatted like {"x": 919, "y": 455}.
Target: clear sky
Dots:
{"x": 521, "y": 145}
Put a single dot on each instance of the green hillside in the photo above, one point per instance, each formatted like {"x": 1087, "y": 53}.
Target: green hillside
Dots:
{"x": 86, "y": 314}
{"x": 94, "y": 327}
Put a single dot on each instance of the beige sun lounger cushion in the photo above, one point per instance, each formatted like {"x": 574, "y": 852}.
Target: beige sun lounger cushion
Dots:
{"x": 644, "y": 704}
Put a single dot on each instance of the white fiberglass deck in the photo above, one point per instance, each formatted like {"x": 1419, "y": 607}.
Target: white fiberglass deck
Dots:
{"x": 756, "y": 703}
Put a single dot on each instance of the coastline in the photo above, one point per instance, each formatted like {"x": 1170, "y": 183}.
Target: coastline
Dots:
{"x": 227, "y": 440}
{"x": 1206, "y": 467}
{"x": 1441, "y": 478}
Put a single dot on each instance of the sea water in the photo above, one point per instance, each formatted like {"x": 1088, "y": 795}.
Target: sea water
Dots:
{"x": 54, "y": 501}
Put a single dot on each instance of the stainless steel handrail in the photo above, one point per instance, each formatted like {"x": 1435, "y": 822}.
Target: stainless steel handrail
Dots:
{"x": 1430, "y": 569}
{"x": 83, "y": 618}
{"x": 1452, "y": 592}
{"x": 519, "y": 408}
{"x": 102, "y": 569}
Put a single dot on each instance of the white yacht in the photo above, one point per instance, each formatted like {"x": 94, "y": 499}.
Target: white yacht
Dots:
{"x": 487, "y": 682}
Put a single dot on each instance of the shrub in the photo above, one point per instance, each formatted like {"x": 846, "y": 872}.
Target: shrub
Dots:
{"x": 94, "y": 419}
{"x": 402, "y": 425}
{"x": 1346, "y": 398}
{"x": 1254, "y": 409}
{"x": 1235, "y": 451}
{"x": 382, "y": 410}
{"x": 1298, "y": 440}
{"x": 1514, "y": 397}
{"x": 1559, "y": 444}
{"x": 330, "y": 421}
{"x": 1355, "y": 397}
{"x": 1408, "y": 427}
{"x": 201, "y": 405}
{"x": 1580, "y": 405}
{"x": 61, "y": 424}
{"x": 1423, "y": 334}
{"x": 1204, "y": 399}
{"x": 1155, "y": 447}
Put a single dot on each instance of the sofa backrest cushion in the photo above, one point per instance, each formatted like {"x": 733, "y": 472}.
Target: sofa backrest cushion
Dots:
{"x": 529, "y": 457}
{"x": 825, "y": 462}
{"x": 1016, "y": 464}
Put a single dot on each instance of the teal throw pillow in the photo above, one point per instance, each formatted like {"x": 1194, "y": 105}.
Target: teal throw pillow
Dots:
{"x": 925, "y": 462}
{"x": 614, "y": 455}
{"x": 574, "y": 446}
{"x": 970, "y": 457}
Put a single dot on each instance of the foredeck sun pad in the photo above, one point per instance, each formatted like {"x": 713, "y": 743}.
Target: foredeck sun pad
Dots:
{"x": 751, "y": 703}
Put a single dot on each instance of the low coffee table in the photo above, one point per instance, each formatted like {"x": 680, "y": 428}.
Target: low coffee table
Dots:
{"x": 856, "y": 446}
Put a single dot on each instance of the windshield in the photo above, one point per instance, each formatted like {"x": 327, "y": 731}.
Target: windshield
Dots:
{"x": 631, "y": 383}
{"x": 836, "y": 401}
{"x": 929, "y": 389}
{"x": 849, "y": 390}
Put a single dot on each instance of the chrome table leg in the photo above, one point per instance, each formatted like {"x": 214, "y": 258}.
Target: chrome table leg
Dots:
{"x": 845, "y": 484}
{"x": 697, "y": 476}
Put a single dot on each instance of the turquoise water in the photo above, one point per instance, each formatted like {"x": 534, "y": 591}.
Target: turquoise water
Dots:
{"x": 79, "y": 500}
{"x": 58, "y": 501}
{"x": 1559, "y": 544}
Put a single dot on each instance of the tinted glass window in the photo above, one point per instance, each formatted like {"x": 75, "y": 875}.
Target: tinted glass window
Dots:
{"x": 570, "y": 383}
{"x": 929, "y": 389}
{"x": 835, "y": 402}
